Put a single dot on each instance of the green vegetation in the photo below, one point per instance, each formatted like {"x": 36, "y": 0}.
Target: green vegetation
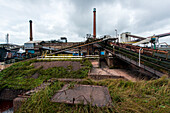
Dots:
{"x": 19, "y": 75}
{"x": 144, "y": 96}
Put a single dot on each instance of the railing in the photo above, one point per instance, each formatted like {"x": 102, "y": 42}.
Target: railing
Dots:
{"x": 147, "y": 65}
{"x": 165, "y": 65}
{"x": 150, "y": 64}
{"x": 67, "y": 57}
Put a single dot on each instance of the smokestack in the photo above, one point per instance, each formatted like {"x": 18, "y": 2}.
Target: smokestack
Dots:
{"x": 7, "y": 38}
{"x": 94, "y": 23}
{"x": 31, "y": 38}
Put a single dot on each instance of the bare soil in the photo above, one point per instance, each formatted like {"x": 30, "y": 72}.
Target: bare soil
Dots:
{"x": 75, "y": 65}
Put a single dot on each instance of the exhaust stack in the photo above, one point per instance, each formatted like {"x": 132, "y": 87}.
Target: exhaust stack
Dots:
{"x": 7, "y": 38}
{"x": 31, "y": 38}
{"x": 94, "y": 23}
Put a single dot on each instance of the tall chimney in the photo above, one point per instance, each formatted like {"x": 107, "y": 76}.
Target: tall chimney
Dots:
{"x": 7, "y": 38}
{"x": 31, "y": 38}
{"x": 94, "y": 23}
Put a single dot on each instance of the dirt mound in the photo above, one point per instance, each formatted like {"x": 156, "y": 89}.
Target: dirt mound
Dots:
{"x": 75, "y": 65}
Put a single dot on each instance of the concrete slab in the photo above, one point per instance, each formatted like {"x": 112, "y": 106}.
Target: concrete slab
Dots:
{"x": 95, "y": 63}
{"x": 111, "y": 73}
{"x": 83, "y": 94}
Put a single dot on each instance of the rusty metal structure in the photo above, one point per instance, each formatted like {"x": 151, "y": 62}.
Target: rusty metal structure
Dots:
{"x": 153, "y": 61}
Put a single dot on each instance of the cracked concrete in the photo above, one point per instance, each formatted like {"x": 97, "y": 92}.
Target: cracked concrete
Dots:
{"x": 83, "y": 94}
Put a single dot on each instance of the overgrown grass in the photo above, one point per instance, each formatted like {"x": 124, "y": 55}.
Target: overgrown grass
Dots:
{"x": 144, "y": 96}
{"x": 19, "y": 75}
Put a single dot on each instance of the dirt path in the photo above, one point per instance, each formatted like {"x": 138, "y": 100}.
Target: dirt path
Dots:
{"x": 111, "y": 73}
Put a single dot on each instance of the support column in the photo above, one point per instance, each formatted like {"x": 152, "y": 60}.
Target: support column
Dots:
{"x": 88, "y": 50}
{"x": 92, "y": 49}
{"x": 79, "y": 51}
{"x": 100, "y": 58}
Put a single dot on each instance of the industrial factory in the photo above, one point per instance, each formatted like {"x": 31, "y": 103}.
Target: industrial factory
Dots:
{"x": 84, "y": 56}
{"x": 10, "y": 53}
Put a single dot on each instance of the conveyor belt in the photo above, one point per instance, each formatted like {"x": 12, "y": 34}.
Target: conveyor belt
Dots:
{"x": 83, "y": 44}
{"x": 148, "y": 63}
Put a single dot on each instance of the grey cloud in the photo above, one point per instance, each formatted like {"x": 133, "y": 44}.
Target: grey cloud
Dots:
{"x": 73, "y": 18}
{"x": 148, "y": 13}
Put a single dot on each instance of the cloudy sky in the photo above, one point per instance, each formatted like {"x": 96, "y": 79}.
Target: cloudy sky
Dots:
{"x": 53, "y": 19}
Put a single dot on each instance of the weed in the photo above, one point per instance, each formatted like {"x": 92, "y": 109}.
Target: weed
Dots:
{"x": 19, "y": 75}
{"x": 142, "y": 96}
